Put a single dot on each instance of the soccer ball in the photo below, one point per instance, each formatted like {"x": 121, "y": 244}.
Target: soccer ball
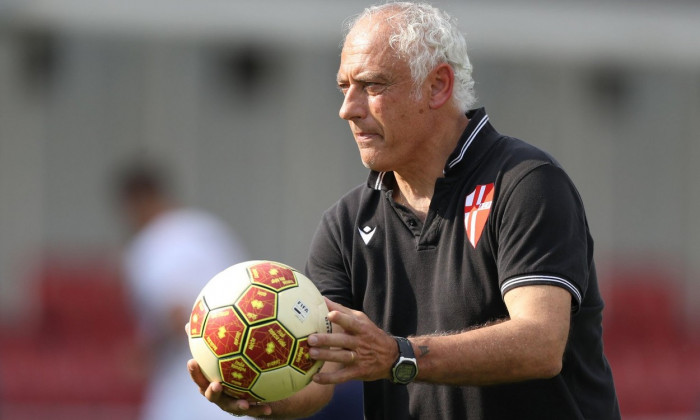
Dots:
{"x": 249, "y": 329}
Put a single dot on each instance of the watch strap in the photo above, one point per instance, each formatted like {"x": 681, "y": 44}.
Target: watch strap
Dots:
{"x": 405, "y": 348}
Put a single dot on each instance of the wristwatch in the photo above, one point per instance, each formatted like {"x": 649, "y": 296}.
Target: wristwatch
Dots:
{"x": 405, "y": 368}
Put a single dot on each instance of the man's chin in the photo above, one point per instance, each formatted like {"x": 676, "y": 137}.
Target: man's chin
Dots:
{"x": 369, "y": 163}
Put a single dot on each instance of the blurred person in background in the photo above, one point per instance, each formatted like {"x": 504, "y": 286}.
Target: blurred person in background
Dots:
{"x": 172, "y": 253}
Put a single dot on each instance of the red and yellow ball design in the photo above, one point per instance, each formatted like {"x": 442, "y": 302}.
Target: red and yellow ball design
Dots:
{"x": 249, "y": 329}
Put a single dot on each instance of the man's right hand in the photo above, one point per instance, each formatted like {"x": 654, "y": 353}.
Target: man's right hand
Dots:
{"x": 213, "y": 391}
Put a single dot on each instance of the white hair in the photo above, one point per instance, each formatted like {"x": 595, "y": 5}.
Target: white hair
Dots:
{"x": 425, "y": 36}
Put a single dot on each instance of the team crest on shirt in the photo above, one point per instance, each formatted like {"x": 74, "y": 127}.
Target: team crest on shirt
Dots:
{"x": 477, "y": 207}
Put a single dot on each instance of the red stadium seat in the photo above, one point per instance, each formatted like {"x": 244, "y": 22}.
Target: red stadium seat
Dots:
{"x": 81, "y": 358}
{"x": 654, "y": 358}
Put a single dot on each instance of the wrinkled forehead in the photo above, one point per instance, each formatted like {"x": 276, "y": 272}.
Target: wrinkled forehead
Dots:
{"x": 367, "y": 51}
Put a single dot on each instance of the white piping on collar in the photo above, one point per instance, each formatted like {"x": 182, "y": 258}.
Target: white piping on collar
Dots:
{"x": 378, "y": 182}
{"x": 469, "y": 141}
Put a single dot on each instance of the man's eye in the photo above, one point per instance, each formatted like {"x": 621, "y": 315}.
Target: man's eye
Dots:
{"x": 369, "y": 87}
{"x": 373, "y": 87}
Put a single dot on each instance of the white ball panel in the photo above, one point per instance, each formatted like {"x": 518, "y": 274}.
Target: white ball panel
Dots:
{"x": 224, "y": 288}
{"x": 206, "y": 359}
{"x": 302, "y": 309}
{"x": 280, "y": 383}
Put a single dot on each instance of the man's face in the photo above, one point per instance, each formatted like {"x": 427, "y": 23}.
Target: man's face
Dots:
{"x": 386, "y": 119}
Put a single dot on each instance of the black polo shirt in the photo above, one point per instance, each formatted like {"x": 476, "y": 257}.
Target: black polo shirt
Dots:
{"x": 505, "y": 215}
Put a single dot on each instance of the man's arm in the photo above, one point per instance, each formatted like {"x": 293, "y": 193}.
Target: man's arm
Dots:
{"x": 528, "y": 345}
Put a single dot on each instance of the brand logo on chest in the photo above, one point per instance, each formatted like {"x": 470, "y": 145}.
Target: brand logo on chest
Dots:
{"x": 367, "y": 233}
{"x": 477, "y": 207}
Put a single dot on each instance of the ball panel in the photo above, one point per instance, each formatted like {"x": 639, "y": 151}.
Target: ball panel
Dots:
{"x": 303, "y": 310}
{"x": 258, "y": 304}
{"x": 269, "y": 346}
{"x": 302, "y": 361}
{"x": 241, "y": 394}
{"x": 197, "y": 318}
{"x": 238, "y": 372}
{"x": 224, "y": 331}
{"x": 273, "y": 275}
{"x": 224, "y": 288}
{"x": 279, "y": 384}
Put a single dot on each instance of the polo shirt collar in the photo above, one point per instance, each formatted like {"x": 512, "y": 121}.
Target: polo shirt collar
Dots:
{"x": 477, "y": 128}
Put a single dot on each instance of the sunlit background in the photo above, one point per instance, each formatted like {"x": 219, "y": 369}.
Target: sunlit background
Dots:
{"x": 239, "y": 99}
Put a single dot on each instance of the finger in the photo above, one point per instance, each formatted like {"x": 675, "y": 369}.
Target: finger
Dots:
{"x": 333, "y": 306}
{"x": 215, "y": 393}
{"x": 349, "y": 322}
{"x": 344, "y": 317}
{"x": 337, "y": 340}
{"x": 343, "y": 356}
{"x": 197, "y": 375}
{"x": 337, "y": 377}
{"x": 243, "y": 407}
{"x": 258, "y": 411}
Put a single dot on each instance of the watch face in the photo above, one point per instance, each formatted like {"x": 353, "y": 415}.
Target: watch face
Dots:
{"x": 405, "y": 372}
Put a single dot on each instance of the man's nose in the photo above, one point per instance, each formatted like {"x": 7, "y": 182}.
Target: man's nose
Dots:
{"x": 354, "y": 104}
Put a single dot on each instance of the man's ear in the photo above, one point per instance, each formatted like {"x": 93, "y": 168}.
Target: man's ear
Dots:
{"x": 442, "y": 80}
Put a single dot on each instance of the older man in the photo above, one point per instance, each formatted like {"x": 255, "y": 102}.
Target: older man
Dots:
{"x": 460, "y": 276}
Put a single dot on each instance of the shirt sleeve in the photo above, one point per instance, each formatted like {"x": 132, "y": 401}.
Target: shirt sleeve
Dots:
{"x": 543, "y": 236}
{"x": 325, "y": 265}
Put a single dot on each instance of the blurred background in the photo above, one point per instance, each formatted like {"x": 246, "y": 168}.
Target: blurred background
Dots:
{"x": 238, "y": 99}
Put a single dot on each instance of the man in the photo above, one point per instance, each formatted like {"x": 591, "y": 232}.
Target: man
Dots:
{"x": 472, "y": 244}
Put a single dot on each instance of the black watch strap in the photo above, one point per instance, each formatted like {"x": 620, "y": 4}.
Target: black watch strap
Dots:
{"x": 405, "y": 348}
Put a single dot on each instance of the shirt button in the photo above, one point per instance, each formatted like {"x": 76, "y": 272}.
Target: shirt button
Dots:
{"x": 412, "y": 223}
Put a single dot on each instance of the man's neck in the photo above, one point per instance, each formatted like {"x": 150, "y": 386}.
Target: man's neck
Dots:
{"x": 415, "y": 195}
{"x": 415, "y": 184}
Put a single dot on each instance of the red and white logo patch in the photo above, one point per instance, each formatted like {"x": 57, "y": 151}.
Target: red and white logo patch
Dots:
{"x": 477, "y": 207}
